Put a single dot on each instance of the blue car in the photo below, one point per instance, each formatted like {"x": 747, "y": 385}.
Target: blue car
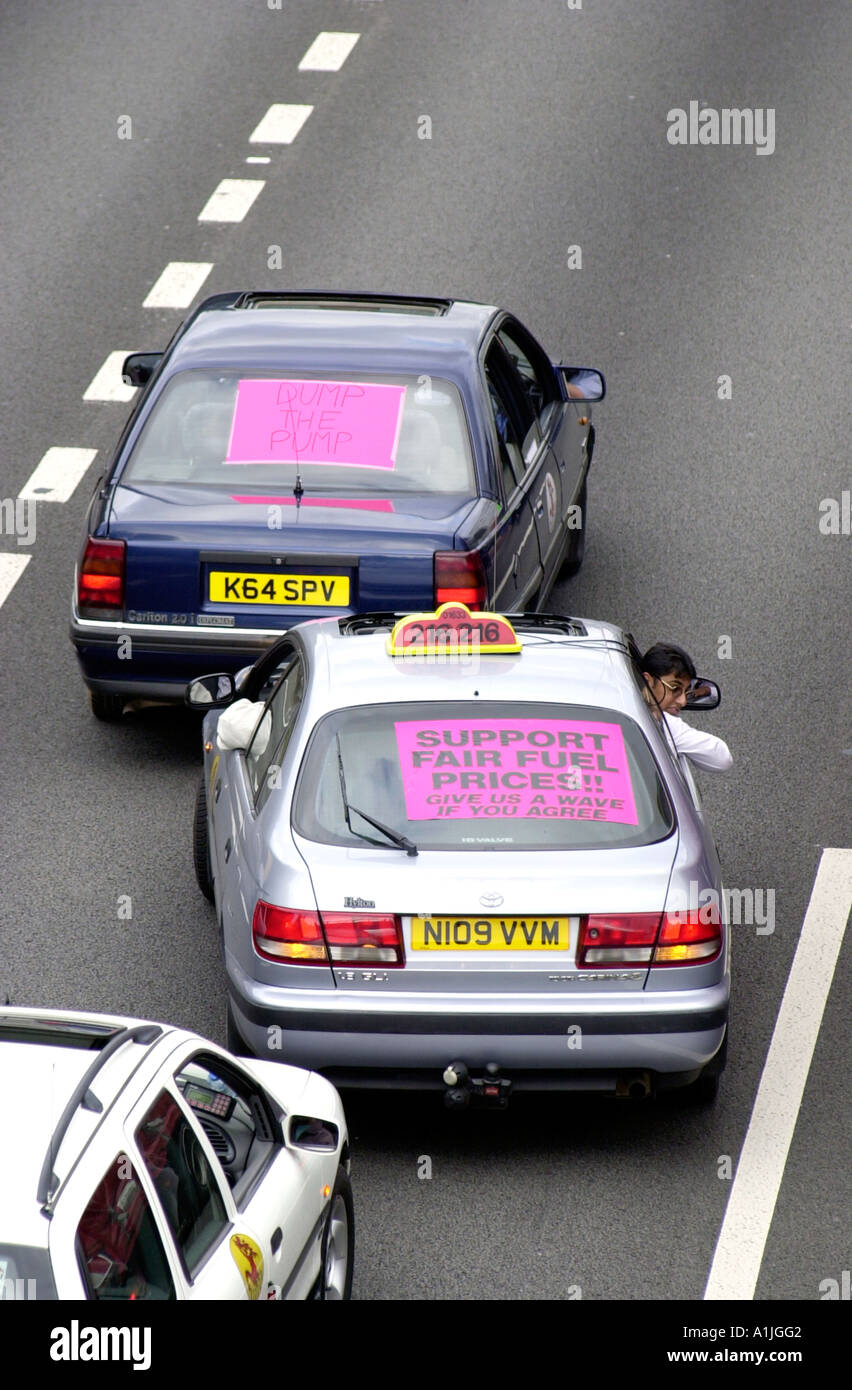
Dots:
{"x": 306, "y": 455}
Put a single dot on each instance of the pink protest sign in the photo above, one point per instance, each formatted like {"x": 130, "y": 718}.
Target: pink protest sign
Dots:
{"x": 352, "y": 423}
{"x": 355, "y": 504}
{"x": 467, "y": 768}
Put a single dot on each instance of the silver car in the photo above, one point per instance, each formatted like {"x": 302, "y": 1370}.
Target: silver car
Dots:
{"x": 472, "y": 868}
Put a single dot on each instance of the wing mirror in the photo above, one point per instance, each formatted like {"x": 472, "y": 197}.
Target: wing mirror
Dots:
{"x": 305, "y": 1132}
{"x": 703, "y": 694}
{"x": 139, "y": 367}
{"x": 583, "y": 383}
{"x": 210, "y": 692}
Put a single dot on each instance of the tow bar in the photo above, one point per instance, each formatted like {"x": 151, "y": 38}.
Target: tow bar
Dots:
{"x": 490, "y": 1090}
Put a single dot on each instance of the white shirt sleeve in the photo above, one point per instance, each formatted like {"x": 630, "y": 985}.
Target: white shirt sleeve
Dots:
{"x": 705, "y": 750}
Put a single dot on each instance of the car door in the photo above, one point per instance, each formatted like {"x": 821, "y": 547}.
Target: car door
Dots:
{"x": 275, "y": 1189}
{"x": 517, "y": 560}
{"x": 240, "y": 786}
{"x": 552, "y": 452}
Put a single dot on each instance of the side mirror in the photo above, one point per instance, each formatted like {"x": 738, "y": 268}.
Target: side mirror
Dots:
{"x": 210, "y": 692}
{"x": 583, "y": 383}
{"x": 139, "y": 367}
{"x": 305, "y": 1132}
{"x": 703, "y": 694}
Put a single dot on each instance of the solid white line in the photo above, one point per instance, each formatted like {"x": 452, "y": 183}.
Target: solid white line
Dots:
{"x": 178, "y": 285}
{"x": 57, "y": 475}
{"x": 231, "y": 200}
{"x": 259, "y": 159}
{"x": 328, "y": 52}
{"x": 754, "y": 1192}
{"x": 11, "y": 569}
{"x": 106, "y": 384}
{"x": 280, "y": 125}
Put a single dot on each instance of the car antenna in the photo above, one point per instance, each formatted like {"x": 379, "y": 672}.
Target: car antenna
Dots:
{"x": 298, "y": 490}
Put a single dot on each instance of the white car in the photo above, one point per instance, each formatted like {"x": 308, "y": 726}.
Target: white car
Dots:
{"x": 147, "y": 1163}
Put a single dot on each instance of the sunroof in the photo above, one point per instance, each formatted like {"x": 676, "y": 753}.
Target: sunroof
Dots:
{"x": 363, "y": 303}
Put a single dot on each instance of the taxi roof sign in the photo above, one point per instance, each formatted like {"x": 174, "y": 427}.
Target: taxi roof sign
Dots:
{"x": 452, "y": 629}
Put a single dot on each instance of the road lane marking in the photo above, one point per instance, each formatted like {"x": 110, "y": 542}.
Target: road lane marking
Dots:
{"x": 328, "y": 52}
{"x": 57, "y": 475}
{"x": 231, "y": 200}
{"x": 751, "y": 1203}
{"x": 11, "y": 569}
{"x": 280, "y": 125}
{"x": 178, "y": 285}
{"x": 106, "y": 384}
{"x": 259, "y": 159}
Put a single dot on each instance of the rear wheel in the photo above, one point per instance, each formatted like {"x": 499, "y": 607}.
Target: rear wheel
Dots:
{"x": 108, "y": 708}
{"x": 338, "y": 1243}
{"x": 201, "y": 843}
{"x": 577, "y": 543}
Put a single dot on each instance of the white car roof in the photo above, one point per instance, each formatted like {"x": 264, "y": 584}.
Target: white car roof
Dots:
{"x": 37, "y": 1078}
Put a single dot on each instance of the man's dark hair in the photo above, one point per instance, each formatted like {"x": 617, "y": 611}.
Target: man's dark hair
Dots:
{"x": 665, "y": 657}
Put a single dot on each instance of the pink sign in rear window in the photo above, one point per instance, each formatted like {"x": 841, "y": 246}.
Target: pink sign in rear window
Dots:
{"x": 350, "y": 423}
{"x": 487, "y": 769}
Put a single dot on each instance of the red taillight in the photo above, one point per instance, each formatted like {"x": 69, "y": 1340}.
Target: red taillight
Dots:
{"x": 617, "y": 938}
{"x": 285, "y": 934}
{"x": 459, "y": 578}
{"x": 100, "y": 581}
{"x": 647, "y": 938}
{"x": 689, "y": 938}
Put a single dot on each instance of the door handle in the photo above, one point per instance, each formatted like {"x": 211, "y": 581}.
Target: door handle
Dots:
{"x": 217, "y": 789}
{"x": 516, "y": 564}
{"x": 228, "y": 847}
{"x": 275, "y": 1242}
{"x": 539, "y": 507}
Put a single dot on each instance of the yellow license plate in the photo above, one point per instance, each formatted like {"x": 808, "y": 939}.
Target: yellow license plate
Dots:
{"x": 298, "y": 590}
{"x": 490, "y": 933}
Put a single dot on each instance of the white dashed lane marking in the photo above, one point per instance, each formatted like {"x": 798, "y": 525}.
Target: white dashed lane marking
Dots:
{"x": 231, "y": 200}
{"x": 178, "y": 285}
{"x": 11, "y": 569}
{"x": 328, "y": 52}
{"x": 106, "y": 384}
{"x": 280, "y": 125}
{"x": 751, "y": 1203}
{"x": 57, "y": 475}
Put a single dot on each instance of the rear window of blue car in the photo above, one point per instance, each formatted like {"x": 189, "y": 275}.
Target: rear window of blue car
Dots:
{"x": 500, "y": 776}
{"x": 254, "y": 434}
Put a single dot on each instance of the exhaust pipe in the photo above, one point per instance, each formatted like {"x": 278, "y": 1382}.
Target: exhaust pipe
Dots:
{"x": 635, "y": 1087}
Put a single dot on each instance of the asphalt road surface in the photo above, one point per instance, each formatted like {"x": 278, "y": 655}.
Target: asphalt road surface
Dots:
{"x": 548, "y": 131}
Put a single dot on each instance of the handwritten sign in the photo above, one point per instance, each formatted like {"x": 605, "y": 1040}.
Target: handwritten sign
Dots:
{"x": 350, "y": 423}
{"x": 523, "y": 768}
{"x": 453, "y": 629}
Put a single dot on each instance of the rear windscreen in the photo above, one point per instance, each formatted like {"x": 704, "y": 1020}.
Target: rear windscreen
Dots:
{"x": 497, "y": 777}
{"x": 255, "y": 434}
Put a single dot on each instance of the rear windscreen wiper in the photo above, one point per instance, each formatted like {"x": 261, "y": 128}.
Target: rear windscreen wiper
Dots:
{"x": 401, "y": 841}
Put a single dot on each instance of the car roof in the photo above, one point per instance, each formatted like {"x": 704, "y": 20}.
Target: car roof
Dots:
{"x": 353, "y": 667}
{"x": 302, "y": 334}
{"x": 43, "y": 1056}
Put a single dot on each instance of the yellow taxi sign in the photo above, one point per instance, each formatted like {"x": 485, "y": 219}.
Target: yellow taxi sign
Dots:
{"x": 452, "y": 629}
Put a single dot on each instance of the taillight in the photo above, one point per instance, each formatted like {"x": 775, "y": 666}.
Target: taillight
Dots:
{"x": 646, "y": 938}
{"x": 308, "y": 938}
{"x": 459, "y": 578}
{"x": 689, "y": 938}
{"x": 618, "y": 938}
{"x": 100, "y": 580}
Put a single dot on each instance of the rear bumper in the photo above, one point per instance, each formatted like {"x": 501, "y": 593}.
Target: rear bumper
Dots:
{"x": 162, "y": 657}
{"x": 576, "y": 1043}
